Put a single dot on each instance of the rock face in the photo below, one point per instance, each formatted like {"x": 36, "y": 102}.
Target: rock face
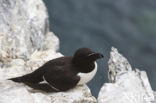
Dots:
{"x": 24, "y": 28}
{"x": 126, "y": 85}
{"x": 18, "y": 93}
{"x": 25, "y": 44}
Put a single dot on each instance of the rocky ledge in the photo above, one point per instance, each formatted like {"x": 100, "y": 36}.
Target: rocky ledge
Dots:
{"x": 126, "y": 85}
{"x": 25, "y": 44}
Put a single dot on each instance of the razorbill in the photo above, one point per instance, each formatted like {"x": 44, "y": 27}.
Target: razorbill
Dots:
{"x": 63, "y": 73}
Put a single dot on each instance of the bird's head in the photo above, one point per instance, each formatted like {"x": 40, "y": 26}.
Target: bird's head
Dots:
{"x": 84, "y": 56}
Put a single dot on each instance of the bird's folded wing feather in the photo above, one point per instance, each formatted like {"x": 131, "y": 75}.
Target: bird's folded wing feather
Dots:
{"x": 61, "y": 79}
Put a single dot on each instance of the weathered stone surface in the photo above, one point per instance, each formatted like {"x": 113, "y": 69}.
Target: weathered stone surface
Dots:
{"x": 24, "y": 28}
{"x": 154, "y": 101}
{"x": 11, "y": 92}
{"x": 129, "y": 86}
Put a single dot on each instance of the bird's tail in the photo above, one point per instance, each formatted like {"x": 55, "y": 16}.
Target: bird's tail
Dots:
{"x": 30, "y": 78}
{"x": 34, "y": 77}
{"x": 43, "y": 87}
{"x": 17, "y": 79}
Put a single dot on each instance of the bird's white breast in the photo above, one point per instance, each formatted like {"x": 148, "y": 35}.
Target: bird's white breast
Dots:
{"x": 86, "y": 77}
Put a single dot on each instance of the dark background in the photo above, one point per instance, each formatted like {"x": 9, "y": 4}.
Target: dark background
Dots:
{"x": 129, "y": 25}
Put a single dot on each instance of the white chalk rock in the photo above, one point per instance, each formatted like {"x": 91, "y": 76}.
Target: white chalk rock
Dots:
{"x": 126, "y": 85}
{"x": 11, "y": 92}
{"x": 154, "y": 101}
{"x": 24, "y": 28}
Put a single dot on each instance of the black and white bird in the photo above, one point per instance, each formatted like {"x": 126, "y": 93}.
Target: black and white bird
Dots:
{"x": 63, "y": 73}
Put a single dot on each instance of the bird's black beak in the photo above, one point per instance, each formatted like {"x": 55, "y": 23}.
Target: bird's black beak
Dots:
{"x": 99, "y": 55}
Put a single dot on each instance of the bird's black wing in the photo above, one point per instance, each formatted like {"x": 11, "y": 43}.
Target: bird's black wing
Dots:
{"x": 61, "y": 78}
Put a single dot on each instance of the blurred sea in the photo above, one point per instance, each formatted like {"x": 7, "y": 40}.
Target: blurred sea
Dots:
{"x": 129, "y": 25}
